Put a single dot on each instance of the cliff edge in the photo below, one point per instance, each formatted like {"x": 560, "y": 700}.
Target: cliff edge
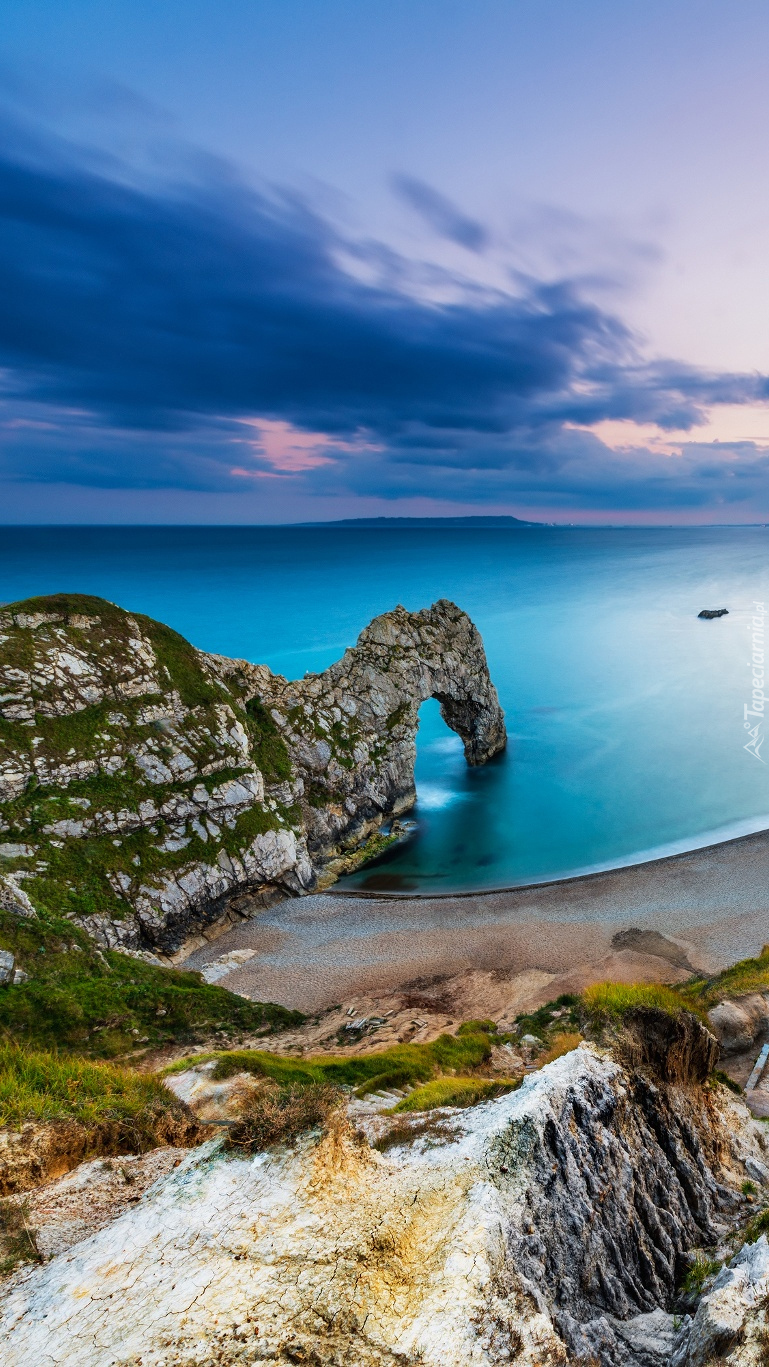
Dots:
{"x": 148, "y": 789}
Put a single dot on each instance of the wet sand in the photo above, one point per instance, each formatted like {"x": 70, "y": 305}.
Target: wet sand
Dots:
{"x": 710, "y": 905}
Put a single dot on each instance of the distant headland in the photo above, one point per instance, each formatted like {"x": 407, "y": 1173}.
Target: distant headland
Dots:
{"x": 426, "y": 522}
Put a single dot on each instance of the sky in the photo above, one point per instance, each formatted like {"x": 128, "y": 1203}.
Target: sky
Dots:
{"x": 291, "y": 260}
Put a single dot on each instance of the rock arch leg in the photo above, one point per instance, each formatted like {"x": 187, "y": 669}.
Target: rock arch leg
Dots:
{"x": 480, "y": 727}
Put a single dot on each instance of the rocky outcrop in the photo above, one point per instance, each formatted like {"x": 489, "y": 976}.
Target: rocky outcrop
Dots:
{"x": 740, "y": 1022}
{"x": 148, "y": 789}
{"x": 730, "y": 1324}
{"x": 547, "y": 1226}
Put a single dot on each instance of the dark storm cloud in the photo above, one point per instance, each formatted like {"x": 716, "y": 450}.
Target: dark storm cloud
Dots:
{"x": 141, "y": 322}
{"x": 209, "y": 299}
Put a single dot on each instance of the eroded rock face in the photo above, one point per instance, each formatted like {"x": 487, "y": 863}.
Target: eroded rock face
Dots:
{"x": 542, "y": 1227}
{"x": 351, "y": 731}
{"x": 147, "y": 789}
{"x": 673, "y": 1048}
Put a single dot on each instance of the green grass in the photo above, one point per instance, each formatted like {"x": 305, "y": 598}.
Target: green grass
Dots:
{"x": 37, "y": 1086}
{"x": 400, "y": 1066}
{"x": 610, "y": 1002}
{"x": 452, "y": 1091}
{"x": 757, "y": 1226}
{"x": 477, "y": 1027}
{"x": 254, "y": 821}
{"x": 68, "y": 605}
{"x": 38, "y": 806}
{"x": 103, "y": 1004}
{"x": 82, "y": 877}
{"x": 725, "y": 1080}
{"x": 77, "y": 878}
{"x": 109, "y": 636}
{"x": 78, "y": 730}
{"x": 696, "y": 1276}
{"x": 606, "y": 1002}
{"x": 317, "y": 796}
{"x": 268, "y": 746}
{"x": 544, "y": 1020}
{"x": 180, "y": 661}
{"x": 176, "y": 657}
{"x": 749, "y": 975}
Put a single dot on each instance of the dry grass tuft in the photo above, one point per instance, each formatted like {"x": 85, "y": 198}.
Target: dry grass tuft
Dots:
{"x": 560, "y": 1044}
{"x": 274, "y": 1114}
{"x": 407, "y": 1128}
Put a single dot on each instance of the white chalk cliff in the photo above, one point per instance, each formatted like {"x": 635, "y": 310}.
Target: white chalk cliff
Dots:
{"x": 147, "y": 788}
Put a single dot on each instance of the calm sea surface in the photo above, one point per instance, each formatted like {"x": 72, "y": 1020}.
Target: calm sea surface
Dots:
{"x": 624, "y": 711}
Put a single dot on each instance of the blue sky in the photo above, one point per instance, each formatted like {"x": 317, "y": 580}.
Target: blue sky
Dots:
{"x": 311, "y": 259}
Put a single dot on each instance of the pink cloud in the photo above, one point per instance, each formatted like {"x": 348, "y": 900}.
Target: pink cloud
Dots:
{"x": 289, "y": 450}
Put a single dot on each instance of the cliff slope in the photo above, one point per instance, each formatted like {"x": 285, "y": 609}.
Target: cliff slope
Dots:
{"x": 548, "y": 1226}
{"x": 147, "y": 788}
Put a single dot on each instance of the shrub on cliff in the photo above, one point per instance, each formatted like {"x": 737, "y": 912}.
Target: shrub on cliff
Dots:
{"x": 272, "y": 1114}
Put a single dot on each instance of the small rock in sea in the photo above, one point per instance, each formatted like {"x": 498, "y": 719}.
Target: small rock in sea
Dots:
{"x": 713, "y": 612}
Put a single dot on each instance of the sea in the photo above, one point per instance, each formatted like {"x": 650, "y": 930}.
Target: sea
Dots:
{"x": 633, "y": 727}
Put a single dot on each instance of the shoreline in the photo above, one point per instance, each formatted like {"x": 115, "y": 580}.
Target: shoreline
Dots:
{"x": 709, "y": 907}
{"x": 409, "y": 895}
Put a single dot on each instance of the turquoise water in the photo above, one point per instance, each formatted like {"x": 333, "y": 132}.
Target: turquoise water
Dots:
{"x": 624, "y": 711}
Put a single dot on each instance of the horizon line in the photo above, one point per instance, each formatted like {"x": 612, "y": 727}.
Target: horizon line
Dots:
{"x": 503, "y": 521}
